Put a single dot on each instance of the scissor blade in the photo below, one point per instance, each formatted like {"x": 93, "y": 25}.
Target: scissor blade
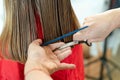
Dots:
{"x": 69, "y": 44}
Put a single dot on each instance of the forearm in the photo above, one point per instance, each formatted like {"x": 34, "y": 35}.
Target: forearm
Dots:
{"x": 116, "y": 17}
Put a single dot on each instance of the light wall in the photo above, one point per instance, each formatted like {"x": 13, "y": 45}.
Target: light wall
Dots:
{"x": 1, "y": 15}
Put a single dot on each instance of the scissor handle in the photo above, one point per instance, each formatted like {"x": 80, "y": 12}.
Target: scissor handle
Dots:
{"x": 86, "y": 42}
{"x": 70, "y": 44}
{"x": 89, "y": 44}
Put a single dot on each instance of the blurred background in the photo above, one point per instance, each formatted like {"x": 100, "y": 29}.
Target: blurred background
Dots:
{"x": 102, "y": 60}
{"x": 1, "y": 15}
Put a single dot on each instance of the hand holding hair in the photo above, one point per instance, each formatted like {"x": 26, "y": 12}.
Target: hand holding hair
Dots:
{"x": 44, "y": 60}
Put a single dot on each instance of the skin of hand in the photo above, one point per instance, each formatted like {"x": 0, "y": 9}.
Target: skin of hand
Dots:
{"x": 100, "y": 26}
{"x": 44, "y": 59}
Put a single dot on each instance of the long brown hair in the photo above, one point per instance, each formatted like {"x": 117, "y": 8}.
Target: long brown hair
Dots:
{"x": 20, "y": 28}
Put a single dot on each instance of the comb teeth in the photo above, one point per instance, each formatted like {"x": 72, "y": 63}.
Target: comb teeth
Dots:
{"x": 64, "y": 36}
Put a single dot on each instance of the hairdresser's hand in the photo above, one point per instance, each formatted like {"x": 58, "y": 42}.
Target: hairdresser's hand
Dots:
{"x": 43, "y": 58}
{"x": 100, "y": 26}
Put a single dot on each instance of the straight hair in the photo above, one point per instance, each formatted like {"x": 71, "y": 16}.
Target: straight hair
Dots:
{"x": 56, "y": 16}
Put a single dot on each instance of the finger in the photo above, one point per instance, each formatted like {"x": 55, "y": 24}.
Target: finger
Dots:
{"x": 87, "y": 18}
{"x": 65, "y": 49}
{"x": 66, "y": 66}
{"x": 56, "y": 45}
{"x": 83, "y": 35}
{"x": 37, "y": 42}
{"x": 64, "y": 55}
{"x": 62, "y": 50}
{"x": 85, "y": 23}
{"x": 79, "y": 36}
{"x": 88, "y": 23}
{"x": 95, "y": 40}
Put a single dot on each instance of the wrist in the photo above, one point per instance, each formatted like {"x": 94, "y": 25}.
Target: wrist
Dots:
{"x": 33, "y": 66}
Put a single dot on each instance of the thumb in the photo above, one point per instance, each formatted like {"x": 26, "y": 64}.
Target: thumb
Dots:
{"x": 38, "y": 42}
{"x": 78, "y": 36}
{"x": 66, "y": 66}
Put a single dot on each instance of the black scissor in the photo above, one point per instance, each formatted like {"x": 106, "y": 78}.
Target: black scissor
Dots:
{"x": 72, "y": 43}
